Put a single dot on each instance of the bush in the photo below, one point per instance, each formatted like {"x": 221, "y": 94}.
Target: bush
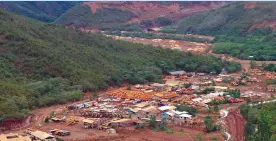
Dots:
{"x": 140, "y": 126}
{"x": 163, "y": 21}
{"x": 234, "y": 93}
{"x": 58, "y": 139}
{"x": 170, "y": 131}
{"x": 46, "y": 120}
{"x": 190, "y": 110}
{"x": 209, "y": 126}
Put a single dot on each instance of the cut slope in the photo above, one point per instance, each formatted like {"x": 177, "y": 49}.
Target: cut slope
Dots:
{"x": 132, "y": 12}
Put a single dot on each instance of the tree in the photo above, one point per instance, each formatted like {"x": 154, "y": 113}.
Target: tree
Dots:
{"x": 152, "y": 122}
{"x": 253, "y": 64}
{"x": 234, "y": 93}
{"x": 128, "y": 87}
{"x": 163, "y": 125}
{"x": 216, "y": 108}
{"x": 190, "y": 110}
{"x": 209, "y": 126}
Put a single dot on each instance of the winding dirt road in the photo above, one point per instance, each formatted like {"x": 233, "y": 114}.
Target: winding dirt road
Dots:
{"x": 235, "y": 123}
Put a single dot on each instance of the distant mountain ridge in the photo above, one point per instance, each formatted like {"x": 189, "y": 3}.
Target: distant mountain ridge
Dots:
{"x": 235, "y": 18}
{"x": 107, "y": 14}
{"x": 185, "y": 17}
{"x": 46, "y": 11}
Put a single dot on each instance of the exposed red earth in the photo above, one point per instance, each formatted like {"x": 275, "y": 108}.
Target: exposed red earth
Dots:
{"x": 151, "y": 10}
{"x": 235, "y": 123}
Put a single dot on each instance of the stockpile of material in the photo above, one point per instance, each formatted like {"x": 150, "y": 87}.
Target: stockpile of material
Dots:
{"x": 166, "y": 95}
{"x": 128, "y": 94}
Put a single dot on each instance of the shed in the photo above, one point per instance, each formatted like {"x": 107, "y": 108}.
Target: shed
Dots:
{"x": 142, "y": 105}
{"x": 42, "y": 135}
{"x": 220, "y": 88}
{"x": 111, "y": 131}
{"x": 271, "y": 88}
{"x": 165, "y": 108}
{"x": 14, "y": 137}
{"x": 180, "y": 112}
{"x": 159, "y": 86}
{"x": 178, "y": 72}
{"x": 123, "y": 122}
{"x": 185, "y": 116}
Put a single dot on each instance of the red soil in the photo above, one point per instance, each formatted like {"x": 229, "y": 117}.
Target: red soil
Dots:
{"x": 250, "y": 5}
{"x": 264, "y": 24}
{"x": 235, "y": 123}
{"x": 151, "y": 10}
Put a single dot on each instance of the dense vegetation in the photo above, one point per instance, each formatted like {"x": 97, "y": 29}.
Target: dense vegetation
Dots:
{"x": 230, "y": 24}
{"x": 123, "y": 27}
{"x": 230, "y": 19}
{"x": 248, "y": 47}
{"x": 163, "y": 21}
{"x": 157, "y": 36}
{"x": 270, "y": 67}
{"x": 82, "y": 16}
{"x": 210, "y": 127}
{"x": 261, "y": 123}
{"x": 46, "y": 11}
{"x": 43, "y": 64}
{"x": 190, "y": 110}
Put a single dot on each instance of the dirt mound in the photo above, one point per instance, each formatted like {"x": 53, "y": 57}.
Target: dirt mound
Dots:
{"x": 151, "y": 10}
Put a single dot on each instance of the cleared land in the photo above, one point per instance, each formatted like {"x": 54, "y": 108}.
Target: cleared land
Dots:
{"x": 167, "y": 43}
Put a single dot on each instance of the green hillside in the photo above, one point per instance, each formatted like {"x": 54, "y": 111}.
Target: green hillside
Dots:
{"x": 82, "y": 16}
{"x": 230, "y": 19}
{"x": 42, "y": 10}
{"x": 230, "y": 24}
{"x": 261, "y": 117}
{"x": 43, "y": 64}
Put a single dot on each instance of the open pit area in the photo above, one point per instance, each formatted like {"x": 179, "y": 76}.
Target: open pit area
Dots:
{"x": 181, "y": 45}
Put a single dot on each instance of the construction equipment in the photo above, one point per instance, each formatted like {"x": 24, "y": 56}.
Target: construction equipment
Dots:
{"x": 71, "y": 121}
{"x": 59, "y": 132}
{"x": 234, "y": 84}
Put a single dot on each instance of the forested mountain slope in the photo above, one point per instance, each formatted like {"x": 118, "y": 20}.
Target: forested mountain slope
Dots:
{"x": 235, "y": 18}
{"x": 243, "y": 29}
{"x": 45, "y": 11}
{"x": 132, "y": 15}
{"x": 43, "y": 64}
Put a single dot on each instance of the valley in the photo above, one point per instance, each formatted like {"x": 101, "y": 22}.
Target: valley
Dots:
{"x": 141, "y": 71}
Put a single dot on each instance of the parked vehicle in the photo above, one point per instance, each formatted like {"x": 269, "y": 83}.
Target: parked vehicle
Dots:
{"x": 59, "y": 132}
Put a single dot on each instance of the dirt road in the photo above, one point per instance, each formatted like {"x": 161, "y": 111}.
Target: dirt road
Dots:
{"x": 245, "y": 63}
{"x": 235, "y": 124}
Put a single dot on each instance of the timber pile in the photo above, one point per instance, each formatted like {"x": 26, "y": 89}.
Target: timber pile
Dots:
{"x": 167, "y": 95}
{"x": 128, "y": 94}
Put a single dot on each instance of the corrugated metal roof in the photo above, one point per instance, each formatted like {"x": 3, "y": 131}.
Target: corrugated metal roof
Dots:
{"x": 177, "y": 72}
{"x": 41, "y": 135}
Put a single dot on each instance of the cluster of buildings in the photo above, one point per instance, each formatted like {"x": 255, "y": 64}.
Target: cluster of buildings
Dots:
{"x": 29, "y": 135}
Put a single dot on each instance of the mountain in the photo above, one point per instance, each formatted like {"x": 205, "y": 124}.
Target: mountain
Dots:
{"x": 43, "y": 64}
{"x": 236, "y": 18}
{"x": 39, "y": 10}
{"x": 134, "y": 15}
